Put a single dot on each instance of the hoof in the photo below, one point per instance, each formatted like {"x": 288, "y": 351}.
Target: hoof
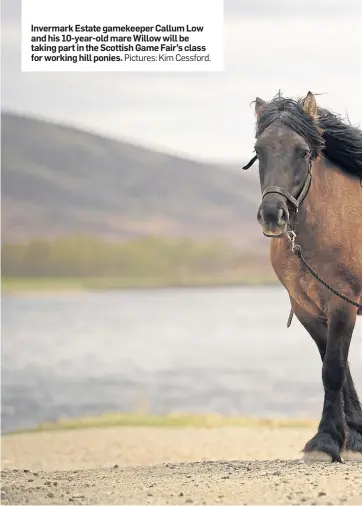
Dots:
{"x": 314, "y": 456}
{"x": 322, "y": 447}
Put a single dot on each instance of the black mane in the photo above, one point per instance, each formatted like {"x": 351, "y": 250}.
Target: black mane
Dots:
{"x": 331, "y": 137}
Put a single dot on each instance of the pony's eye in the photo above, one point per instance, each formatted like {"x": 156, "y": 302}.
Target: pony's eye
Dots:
{"x": 304, "y": 154}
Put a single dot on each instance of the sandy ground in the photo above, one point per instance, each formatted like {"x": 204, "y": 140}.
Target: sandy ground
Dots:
{"x": 171, "y": 466}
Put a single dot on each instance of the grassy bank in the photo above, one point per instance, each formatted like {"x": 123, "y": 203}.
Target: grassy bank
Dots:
{"x": 171, "y": 420}
{"x": 74, "y": 284}
{"x": 89, "y": 263}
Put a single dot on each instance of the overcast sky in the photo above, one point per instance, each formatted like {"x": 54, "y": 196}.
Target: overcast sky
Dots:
{"x": 296, "y": 46}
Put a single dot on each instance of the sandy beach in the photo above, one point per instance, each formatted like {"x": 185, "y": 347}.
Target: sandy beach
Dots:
{"x": 143, "y": 465}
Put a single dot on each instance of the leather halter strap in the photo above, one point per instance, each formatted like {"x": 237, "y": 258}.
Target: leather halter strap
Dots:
{"x": 285, "y": 193}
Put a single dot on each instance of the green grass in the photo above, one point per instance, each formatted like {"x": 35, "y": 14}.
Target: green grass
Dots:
{"x": 170, "y": 421}
{"x": 68, "y": 284}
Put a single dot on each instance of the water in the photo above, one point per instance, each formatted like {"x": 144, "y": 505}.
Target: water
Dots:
{"x": 224, "y": 350}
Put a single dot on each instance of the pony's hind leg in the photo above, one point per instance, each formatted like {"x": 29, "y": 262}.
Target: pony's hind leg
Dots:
{"x": 353, "y": 413}
{"x": 318, "y": 330}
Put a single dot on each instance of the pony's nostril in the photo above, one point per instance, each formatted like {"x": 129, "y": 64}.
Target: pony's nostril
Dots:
{"x": 259, "y": 216}
{"x": 283, "y": 215}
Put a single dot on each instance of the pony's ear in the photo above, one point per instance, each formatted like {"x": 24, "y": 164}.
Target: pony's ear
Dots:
{"x": 259, "y": 106}
{"x": 309, "y": 105}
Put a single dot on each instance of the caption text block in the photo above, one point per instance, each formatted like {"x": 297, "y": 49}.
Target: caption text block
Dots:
{"x": 122, "y": 35}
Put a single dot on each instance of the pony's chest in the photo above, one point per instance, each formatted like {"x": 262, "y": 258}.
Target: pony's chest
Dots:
{"x": 299, "y": 283}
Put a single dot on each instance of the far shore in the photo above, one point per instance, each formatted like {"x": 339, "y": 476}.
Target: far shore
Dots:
{"x": 67, "y": 284}
{"x": 171, "y": 420}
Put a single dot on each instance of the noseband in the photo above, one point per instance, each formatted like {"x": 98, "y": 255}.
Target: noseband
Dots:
{"x": 295, "y": 201}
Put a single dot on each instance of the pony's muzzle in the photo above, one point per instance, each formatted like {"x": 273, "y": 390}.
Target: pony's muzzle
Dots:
{"x": 273, "y": 216}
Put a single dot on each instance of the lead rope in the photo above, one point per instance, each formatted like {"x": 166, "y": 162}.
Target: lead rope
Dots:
{"x": 297, "y": 250}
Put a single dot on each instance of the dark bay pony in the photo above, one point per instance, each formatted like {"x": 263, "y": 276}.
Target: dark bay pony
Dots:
{"x": 310, "y": 165}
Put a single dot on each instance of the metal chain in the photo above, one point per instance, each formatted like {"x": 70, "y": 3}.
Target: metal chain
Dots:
{"x": 297, "y": 250}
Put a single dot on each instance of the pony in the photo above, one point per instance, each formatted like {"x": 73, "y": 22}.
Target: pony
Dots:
{"x": 310, "y": 168}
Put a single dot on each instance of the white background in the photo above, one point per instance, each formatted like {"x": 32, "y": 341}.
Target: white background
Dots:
{"x": 208, "y": 13}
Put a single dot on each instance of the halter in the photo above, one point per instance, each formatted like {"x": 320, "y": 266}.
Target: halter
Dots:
{"x": 295, "y": 201}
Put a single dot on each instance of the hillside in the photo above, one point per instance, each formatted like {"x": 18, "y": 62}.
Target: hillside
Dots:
{"x": 58, "y": 180}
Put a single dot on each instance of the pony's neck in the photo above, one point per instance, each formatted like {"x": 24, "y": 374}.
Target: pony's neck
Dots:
{"x": 328, "y": 191}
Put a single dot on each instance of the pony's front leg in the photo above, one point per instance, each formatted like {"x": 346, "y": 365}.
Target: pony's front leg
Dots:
{"x": 330, "y": 438}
